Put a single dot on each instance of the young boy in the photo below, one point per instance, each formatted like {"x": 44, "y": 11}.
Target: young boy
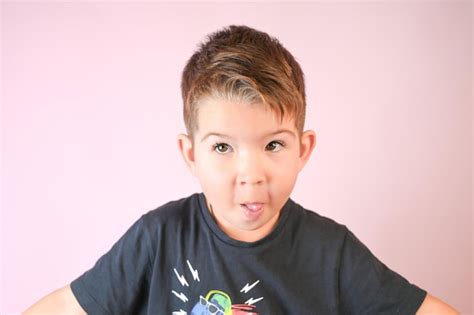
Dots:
{"x": 242, "y": 246}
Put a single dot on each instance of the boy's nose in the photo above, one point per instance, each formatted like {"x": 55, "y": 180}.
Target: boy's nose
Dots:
{"x": 251, "y": 171}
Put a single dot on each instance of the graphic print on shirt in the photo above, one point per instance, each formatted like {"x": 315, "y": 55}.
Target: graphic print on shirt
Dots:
{"x": 214, "y": 302}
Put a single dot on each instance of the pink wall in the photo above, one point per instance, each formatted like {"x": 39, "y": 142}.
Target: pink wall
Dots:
{"x": 91, "y": 107}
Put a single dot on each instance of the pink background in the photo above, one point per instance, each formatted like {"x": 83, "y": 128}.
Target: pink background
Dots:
{"x": 91, "y": 108}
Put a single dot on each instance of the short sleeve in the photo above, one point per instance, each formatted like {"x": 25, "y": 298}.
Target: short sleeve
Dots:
{"x": 118, "y": 283}
{"x": 367, "y": 286}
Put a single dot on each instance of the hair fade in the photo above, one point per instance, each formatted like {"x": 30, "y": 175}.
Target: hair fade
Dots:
{"x": 242, "y": 64}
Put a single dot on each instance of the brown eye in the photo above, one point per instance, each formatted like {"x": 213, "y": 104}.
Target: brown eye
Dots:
{"x": 274, "y": 145}
{"x": 220, "y": 147}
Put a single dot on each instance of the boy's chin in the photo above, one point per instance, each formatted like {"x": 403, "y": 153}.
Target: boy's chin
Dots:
{"x": 242, "y": 226}
{"x": 262, "y": 224}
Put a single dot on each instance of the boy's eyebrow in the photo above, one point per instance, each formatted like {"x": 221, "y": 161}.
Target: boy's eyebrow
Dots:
{"x": 270, "y": 134}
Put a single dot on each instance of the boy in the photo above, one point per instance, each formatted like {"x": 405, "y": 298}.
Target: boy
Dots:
{"x": 242, "y": 246}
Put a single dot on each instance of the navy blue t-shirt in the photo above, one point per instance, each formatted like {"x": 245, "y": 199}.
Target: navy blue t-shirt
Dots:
{"x": 176, "y": 260}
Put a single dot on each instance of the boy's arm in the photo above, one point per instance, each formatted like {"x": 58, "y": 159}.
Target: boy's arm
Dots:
{"x": 433, "y": 306}
{"x": 61, "y": 301}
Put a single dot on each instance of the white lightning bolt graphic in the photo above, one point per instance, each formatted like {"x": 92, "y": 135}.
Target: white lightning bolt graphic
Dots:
{"x": 248, "y": 287}
{"x": 180, "y": 312}
{"x": 181, "y": 278}
{"x": 180, "y": 296}
{"x": 193, "y": 271}
{"x": 252, "y": 301}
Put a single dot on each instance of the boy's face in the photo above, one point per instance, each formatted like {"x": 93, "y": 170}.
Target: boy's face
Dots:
{"x": 240, "y": 160}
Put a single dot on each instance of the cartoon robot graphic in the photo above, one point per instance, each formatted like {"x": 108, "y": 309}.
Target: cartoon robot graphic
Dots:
{"x": 219, "y": 303}
{"x": 216, "y": 302}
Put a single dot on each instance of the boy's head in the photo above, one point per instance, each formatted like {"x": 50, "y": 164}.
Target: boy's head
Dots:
{"x": 242, "y": 64}
{"x": 239, "y": 89}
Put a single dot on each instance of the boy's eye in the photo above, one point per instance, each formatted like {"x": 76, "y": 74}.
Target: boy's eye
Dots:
{"x": 276, "y": 144}
{"x": 220, "y": 147}
{"x": 273, "y": 146}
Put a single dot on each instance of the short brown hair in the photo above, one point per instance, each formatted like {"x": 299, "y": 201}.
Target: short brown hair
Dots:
{"x": 242, "y": 64}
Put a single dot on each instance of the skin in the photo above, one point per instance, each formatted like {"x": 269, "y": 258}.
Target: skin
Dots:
{"x": 249, "y": 165}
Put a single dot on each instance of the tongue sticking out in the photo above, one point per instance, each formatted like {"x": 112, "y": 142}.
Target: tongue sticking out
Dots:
{"x": 254, "y": 206}
{"x": 252, "y": 211}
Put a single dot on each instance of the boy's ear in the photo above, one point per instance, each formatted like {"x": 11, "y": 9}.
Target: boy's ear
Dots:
{"x": 308, "y": 142}
{"x": 186, "y": 148}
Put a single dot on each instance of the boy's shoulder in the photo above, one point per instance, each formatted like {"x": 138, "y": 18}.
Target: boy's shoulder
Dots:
{"x": 312, "y": 222}
{"x": 176, "y": 209}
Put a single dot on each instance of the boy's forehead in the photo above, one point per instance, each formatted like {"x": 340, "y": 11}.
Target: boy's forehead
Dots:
{"x": 233, "y": 119}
